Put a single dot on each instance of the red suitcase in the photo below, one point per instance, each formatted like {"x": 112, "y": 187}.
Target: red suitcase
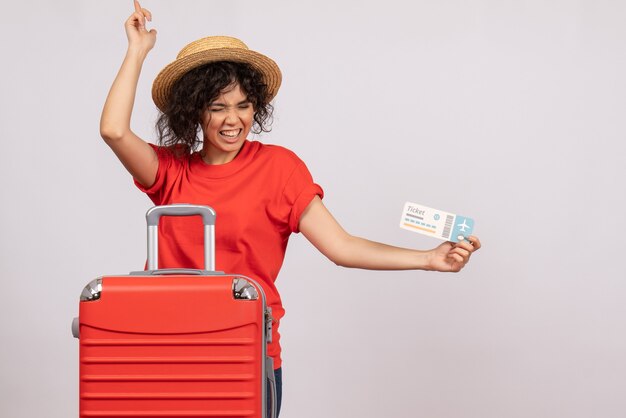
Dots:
{"x": 175, "y": 342}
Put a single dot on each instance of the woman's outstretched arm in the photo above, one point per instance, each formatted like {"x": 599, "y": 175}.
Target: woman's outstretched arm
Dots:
{"x": 324, "y": 232}
{"x": 135, "y": 154}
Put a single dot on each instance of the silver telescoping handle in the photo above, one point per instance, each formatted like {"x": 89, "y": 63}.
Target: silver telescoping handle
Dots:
{"x": 181, "y": 209}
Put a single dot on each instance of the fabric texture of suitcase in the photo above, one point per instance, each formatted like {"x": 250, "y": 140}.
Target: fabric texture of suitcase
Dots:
{"x": 174, "y": 343}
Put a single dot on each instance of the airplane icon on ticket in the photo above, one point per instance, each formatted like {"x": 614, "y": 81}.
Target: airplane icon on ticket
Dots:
{"x": 463, "y": 226}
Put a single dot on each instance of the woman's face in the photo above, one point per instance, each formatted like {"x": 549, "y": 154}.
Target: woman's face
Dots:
{"x": 226, "y": 123}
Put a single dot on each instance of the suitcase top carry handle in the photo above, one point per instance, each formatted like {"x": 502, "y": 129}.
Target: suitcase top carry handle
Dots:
{"x": 181, "y": 209}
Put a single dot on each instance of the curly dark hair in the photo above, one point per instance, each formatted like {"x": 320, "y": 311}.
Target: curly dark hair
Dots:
{"x": 179, "y": 124}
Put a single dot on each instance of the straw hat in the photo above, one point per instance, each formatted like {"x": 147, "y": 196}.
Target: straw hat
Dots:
{"x": 211, "y": 49}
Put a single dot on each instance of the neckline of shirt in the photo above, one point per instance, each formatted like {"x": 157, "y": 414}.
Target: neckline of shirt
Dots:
{"x": 217, "y": 171}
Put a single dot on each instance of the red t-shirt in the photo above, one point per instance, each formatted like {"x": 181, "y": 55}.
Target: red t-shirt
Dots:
{"x": 258, "y": 197}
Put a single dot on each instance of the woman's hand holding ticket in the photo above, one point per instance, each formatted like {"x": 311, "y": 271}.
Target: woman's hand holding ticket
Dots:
{"x": 452, "y": 257}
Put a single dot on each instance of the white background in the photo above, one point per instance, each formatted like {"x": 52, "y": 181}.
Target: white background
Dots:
{"x": 511, "y": 112}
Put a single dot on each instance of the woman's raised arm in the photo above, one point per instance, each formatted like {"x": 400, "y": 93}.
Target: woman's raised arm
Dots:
{"x": 135, "y": 154}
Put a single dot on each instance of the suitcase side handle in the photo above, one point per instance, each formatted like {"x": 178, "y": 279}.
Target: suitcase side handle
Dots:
{"x": 181, "y": 209}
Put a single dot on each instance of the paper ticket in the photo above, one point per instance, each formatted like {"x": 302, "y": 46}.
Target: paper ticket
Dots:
{"x": 435, "y": 223}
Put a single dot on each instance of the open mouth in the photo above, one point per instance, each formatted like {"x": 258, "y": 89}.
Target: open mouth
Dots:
{"x": 231, "y": 133}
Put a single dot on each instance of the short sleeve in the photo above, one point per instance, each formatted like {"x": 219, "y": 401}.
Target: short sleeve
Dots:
{"x": 165, "y": 161}
{"x": 299, "y": 192}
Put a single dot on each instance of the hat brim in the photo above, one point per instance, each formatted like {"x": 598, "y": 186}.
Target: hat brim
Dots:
{"x": 162, "y": 85}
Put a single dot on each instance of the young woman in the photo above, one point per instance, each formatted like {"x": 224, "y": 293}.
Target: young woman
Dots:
{"x": 220, "y": 89}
